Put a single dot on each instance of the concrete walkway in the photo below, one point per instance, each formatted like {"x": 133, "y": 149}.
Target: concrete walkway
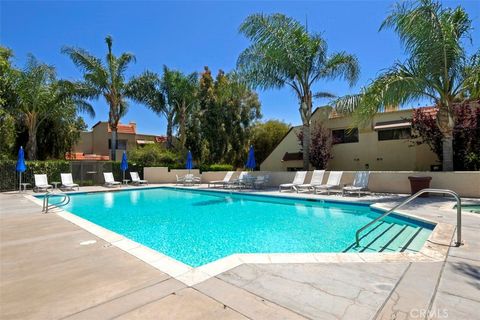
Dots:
{"x": 51, "y": 270}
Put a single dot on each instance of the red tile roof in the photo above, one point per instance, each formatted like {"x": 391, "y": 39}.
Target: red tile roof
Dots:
{"x": 83, "y": 156}
{"x": 124, "y": 128}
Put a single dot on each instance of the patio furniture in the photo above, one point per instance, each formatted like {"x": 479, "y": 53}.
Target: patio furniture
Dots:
{"x": 190, "y": 179}
{"x": 360, "y": 183}
{"x": 316, "y": 180}
{"x": 67, "y": 182}
{"x": 136, "y": 179}
{"x": 41, "y": 183}
{"x": 260, "y": 182}
{"x": 333, "y": 182}
{"x": 237, "y": 182}
{"x": 109, "y": 180}
{"x": 297, "y": 180}
{"x": 23, "y": 186}
{"x": 223, "y": 182}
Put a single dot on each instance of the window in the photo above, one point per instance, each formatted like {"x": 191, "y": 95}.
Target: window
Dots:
{"x": 121, "y": 144}
{"x": 345, "y": 136}
{"x": 394, "y": 134}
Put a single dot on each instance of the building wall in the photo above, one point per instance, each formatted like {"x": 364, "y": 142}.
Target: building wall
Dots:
{"x": 368, "y": 152}
{"x": 289, "y": 144}
{"x": 85, "y": 143}
{"x": 96, "y": 141}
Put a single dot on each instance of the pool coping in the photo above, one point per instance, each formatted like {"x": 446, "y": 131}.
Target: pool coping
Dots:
{"x": 435, "y": 247}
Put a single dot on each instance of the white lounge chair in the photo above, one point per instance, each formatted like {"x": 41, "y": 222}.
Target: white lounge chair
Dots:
{"x": 223, "y": 182}
{"x": 189, "y": 179}
{"x": 136, "y": 179}
{"x": 180, "y": 180}
{"x": 298, "y": 180}
{"x": 260, "y": 182}
{"x": 109, "y": 180}
{"x": 41, "y": 183}
{"x": 333, "y": 182}
{"x": 67, "y": 182}
{"x": 238, "y": 181}
{"x": 316, "y": 180}
{"x": 360, "y": 183}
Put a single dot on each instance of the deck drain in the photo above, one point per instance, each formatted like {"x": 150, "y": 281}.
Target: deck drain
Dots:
{"x": 88, "y": 242}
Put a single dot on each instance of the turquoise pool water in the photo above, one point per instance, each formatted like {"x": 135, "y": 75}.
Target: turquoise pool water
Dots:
{"x": 198, "y": 227}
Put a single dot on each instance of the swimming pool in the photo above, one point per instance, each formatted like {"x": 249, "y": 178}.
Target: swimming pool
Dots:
{"x": 197, "y": 227}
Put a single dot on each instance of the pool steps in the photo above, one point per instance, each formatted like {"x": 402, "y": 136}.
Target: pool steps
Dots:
{"x": 390, "y": 237}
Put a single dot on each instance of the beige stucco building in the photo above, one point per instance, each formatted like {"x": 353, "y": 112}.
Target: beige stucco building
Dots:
{"x": 95, "y": 144}
{"x": 383, "y": 144}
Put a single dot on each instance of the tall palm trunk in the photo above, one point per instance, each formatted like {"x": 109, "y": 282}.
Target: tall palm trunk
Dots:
{"x": 170, "y": 130}
{"x": 306, "y": 114}
{"x": 182, "y": 126}
{"x": 114, "y": 144}
{"x": 446, "y": 125}
{"x": 31, "y": 146}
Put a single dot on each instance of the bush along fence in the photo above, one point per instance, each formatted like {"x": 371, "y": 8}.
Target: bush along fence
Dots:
{"x": 83, "y": 172}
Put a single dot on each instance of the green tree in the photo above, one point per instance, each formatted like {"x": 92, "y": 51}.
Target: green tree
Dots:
{"x": 181, "y": 95}
{"x": 284, "y": 53}
{"x": 105, "y": 79}
{"x": 7, "y": 134}
{"x": 437, "y": 68}
{"x": 266, "y": 136}
{"x": 7, "y": 99}
{"x": 227, "y": 109}
{"x": 40, "y": 96}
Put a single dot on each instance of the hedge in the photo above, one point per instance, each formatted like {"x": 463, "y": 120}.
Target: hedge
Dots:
{"x": 9, "y": 177}
{"x": 53, "y": 168}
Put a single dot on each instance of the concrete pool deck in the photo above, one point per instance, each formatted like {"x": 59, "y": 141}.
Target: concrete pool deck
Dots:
{"x": 46, "y": 273}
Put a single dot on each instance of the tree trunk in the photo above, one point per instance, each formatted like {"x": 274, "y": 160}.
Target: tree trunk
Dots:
{"x": 32, "y": 143}
{"x": 447, "y": 153}
{"x": 306, "y": 146}
{"x": 306, "y": 114}
{"x": 114, "y": 144}
{"x": 170, "y": 130}
{"x": 446, "y": 124}
{"x": 182, "y": 127}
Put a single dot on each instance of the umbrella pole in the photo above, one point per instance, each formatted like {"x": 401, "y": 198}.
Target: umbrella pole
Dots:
{"x": 20, "y": 182}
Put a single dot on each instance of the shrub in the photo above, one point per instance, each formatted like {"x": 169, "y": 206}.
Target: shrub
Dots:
{"x": 9, "y": 177}
{"x": 152, "y": 156}
{"x": 216, "y": 167}
{"x": 320, "y": 146}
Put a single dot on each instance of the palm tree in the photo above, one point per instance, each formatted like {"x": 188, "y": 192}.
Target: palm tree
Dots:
{"x": 181, "y": 95}
{"x": 173, "y": 95}
{"x": 437, "y": 68}
{"x": 105, "y": 79}
{"x": 39, "y": 95}
{"x": 284, "y": 53}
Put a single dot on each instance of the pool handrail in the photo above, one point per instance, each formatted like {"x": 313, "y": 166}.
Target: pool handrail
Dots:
{"x": 458, "y": 242}
{"x": 46, "y": 198}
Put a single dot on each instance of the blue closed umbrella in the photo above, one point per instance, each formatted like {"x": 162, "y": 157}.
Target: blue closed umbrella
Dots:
{"x": 124, "y": 164}
{"x": 251, "y": 164}
{"x": 189, "y": 164}
{"x": 21, "y": 166}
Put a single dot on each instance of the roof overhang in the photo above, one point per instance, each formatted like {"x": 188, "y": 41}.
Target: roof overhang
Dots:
{"x": 399, "y": 124}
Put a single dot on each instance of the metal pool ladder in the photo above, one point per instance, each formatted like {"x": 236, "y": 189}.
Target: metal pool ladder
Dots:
{"x": 46, "y": 198}
{"x": 409, "y": 199}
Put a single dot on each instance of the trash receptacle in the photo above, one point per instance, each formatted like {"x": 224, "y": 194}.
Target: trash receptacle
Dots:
{"x": 419, "y": 183}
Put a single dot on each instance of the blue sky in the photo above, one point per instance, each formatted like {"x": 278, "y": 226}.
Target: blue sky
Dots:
{"x": 190, "y": 35}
